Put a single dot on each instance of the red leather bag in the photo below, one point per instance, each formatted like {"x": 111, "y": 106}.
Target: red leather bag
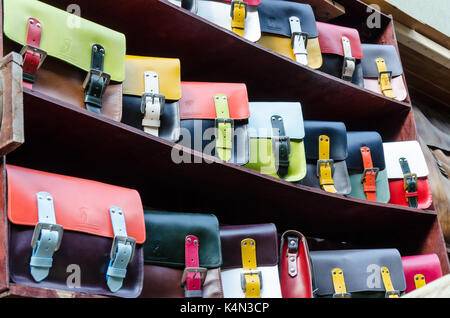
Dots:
{"x": 421, "y": 270}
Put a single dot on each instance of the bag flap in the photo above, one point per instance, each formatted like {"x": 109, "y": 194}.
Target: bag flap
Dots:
{"x": 62, "y": 40}
{"x": 265, "y": 236}
{"x": 427, "y": 265}
{"x": 260, "y": 121}
{"x": 168, "y": 71}
{"x": 166, "y": 234}
{"x": 80, "y": 205}
{"x": 361, "y": 268}
{"x": 410, "y": 150}
{"x": 336, "y": 131}
{"x": 388, "y": 52}
{"x": 197, "y": 101}
{"x": 330, "y": 39}
{"x": 358, "y": 139}
{"x": 274, "y": 17}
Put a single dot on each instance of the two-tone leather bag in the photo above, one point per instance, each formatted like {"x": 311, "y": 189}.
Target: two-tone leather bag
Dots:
{"x": 367, "y": 167}
{"x": 326, "y": 151}
{"x": 241, "y": 17}
{"x": 341, "y": 52}
{"x": 151, "y": 89}
{"x": 407, "y": 171}
{"x": 421, "y": 270}
{"x": 182, "y": 255}
{"x": 67, "y": 57}
{"x": 74, "y": 234}
{"x": 371, "y": 273}
{"x": 289, "y": 28}
{"x": 295, "y": 266}
{"x": 250, "y": 261}
{"x": 276, "y": 140}
{"x": 214, "y": 120}
{"x": 382, "y": 71}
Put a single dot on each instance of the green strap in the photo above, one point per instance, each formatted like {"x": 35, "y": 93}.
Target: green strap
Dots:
{"x": 410, "y": 183}
{"x": 98, "y": 81}
{"x": 224, "y": 136}
{"x": 281, "y": 144}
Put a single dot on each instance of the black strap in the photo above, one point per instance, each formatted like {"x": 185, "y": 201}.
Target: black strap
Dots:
{"x": 410, "y": 183}
{"x": 282, "y": 146}
{"x": 97, "y": 84}
{"x": 292, "y": 244}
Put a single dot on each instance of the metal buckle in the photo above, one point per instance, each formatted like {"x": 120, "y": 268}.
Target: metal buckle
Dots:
{"x": 42, "y": 53}
{"x": 385, "y": 72}
{"x": 251, "y": 273}
{"x": 47, "y": 226}
{"x": 125, "y": 240}
{"x": 342, "y": 295}
{"x": 330, "y": 161}
{"x": 240, "y": 4}
{"x": 392, "y": 293}
{"x": 280, "y": 139}
{"x": 218, "y": 121}
{"x": 201, "y": 270}
{"x": 375, "y": 170}
{"x": 406, "y": 176}
{"x": 346, "y": 67}
{"x": 99, "y": 73}
{"x": 304, "y": 35}
{"x": 153, "y": 96}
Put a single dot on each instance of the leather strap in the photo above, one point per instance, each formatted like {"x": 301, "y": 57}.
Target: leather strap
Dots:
{"x": 419, "y": 280}
{"x": 384, "y": 78}
{"x": 122, "y": 250}
{"x": 96, "y": 81}
{"x": 340, "y": 290}
{"x": 46, "y": 238}
{"x": 369, "y": 175}
{"x": 281, "y": 145}
{"x": 324, "y": 165}
{"x": 152, "y": 104}
{"x": 224, "y": 128}
{"x": 299, "y": 40}
{"x": 386, "y": 277}
{"x": 349, "y": 61}
{"x": 292, "y": 254}
{"x": 33, "y": 56}
{"x": 409, "y": 183}
{"x": 251, "y": 279}
{"x": 193, "y": 286}
{"x": 238, "y": 15}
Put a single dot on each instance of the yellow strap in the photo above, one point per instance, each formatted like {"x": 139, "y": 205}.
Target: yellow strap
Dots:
{"x": 325, "y": 172}
{"x": 338, "y": 281}
{"x": 252, "y": 282}
{"x": 238, "y": 19}
{"x": 386, "y": 276}
{"x": 384, "y": 80}
{"x": 224, "y": 143}
{"x": 419, "y": 280}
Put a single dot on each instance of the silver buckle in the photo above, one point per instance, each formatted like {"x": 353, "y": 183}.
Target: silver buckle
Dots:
{"x": 330, "y": 161}
{"x": 385, "y": 72}
{"x": 99, "y": 73}
{"x": 47, "y": 226}
{"x": 342, "y": 295}
{"x": 348, "y": 68}
{"x": 251, "y": 273}
{"x": 241, "y": 3}
{"x": 376, "y": 170}
{"x": 201, "y": 270}
{"x": 42, "y": 53}
{"x": 392, "y": 293}
{"x": 153, "y": 96}
{"x": 122, "y": 239}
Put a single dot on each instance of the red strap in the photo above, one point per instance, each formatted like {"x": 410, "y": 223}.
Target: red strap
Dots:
{"x": 31, "y": 59}
{"x": 410, "y": 195}
{"x": 193, "y": 281}
{"x": 369, "y": 186}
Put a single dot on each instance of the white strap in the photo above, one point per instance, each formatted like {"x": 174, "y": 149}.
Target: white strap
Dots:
{"x": 152, "y": 112}
{"x": 298, "y": 41}
{"x": 349, "y": 61}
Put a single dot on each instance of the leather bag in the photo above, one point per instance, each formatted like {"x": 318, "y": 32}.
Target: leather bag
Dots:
{"x": 326, "y": 169}
{"x": 276, "y": 140}
{"x": 151, "y": 89}
{"x": 421, "y": 270}
{"x": 241, "y": 17}
{"x": 370, "y": 273}
{"x": 250, "y": 261}
{"x": 289, "y": 28}
{"x": 407, "y": 171}
{"x": 382, "y": 71}
{"x": 367, "y": 167}
{"x": 341, "y": 52}
{"x": 214, "y": 120}
{"x": 182, "y": 255}
{"x": 60, "y": 225}
{"x": 295, "y": 266}
{"x": 67, "y": 57}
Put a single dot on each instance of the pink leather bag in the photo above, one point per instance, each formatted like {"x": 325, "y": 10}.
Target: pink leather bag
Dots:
{"x": 420, "y": 270}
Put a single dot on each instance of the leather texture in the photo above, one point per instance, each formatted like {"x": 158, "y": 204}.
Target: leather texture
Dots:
{"x": 330, "y": 39}
{"x": 170, "y": 118}
{"x": 410, "y": 150}
{"x": 332, "y": 65}
{"x": 168, "y": 70}
{"x": 89, "y": 252}
{"x": 300, "y": 284}
{"x": 424, "y": 194}
{"x": 388, "y": 52}
{"x": 427, "y": 265}
{"x": 164, "y": 282}
{"x": 335, "y": 130}
{"x": 63, "y": 41}
{"x": 167, "y": 231}
{"x": 80, "y": 205}
{"x": 197, "y": 100}
{"x": 397, "y": 83}
{"x": 383, "y": 193}
{"x": 342, "y": 181}
{"x": 361, "y": 269}
{"x": 358, "y": 139}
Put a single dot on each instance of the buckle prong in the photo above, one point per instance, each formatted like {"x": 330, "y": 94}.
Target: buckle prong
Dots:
{"x": 47, "y": 226}
{"x": 202, "y": 270}
{"x": 122, "y": 239}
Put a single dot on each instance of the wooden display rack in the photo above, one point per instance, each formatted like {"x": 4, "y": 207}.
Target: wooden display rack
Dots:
{"x": 75, "y": 142}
